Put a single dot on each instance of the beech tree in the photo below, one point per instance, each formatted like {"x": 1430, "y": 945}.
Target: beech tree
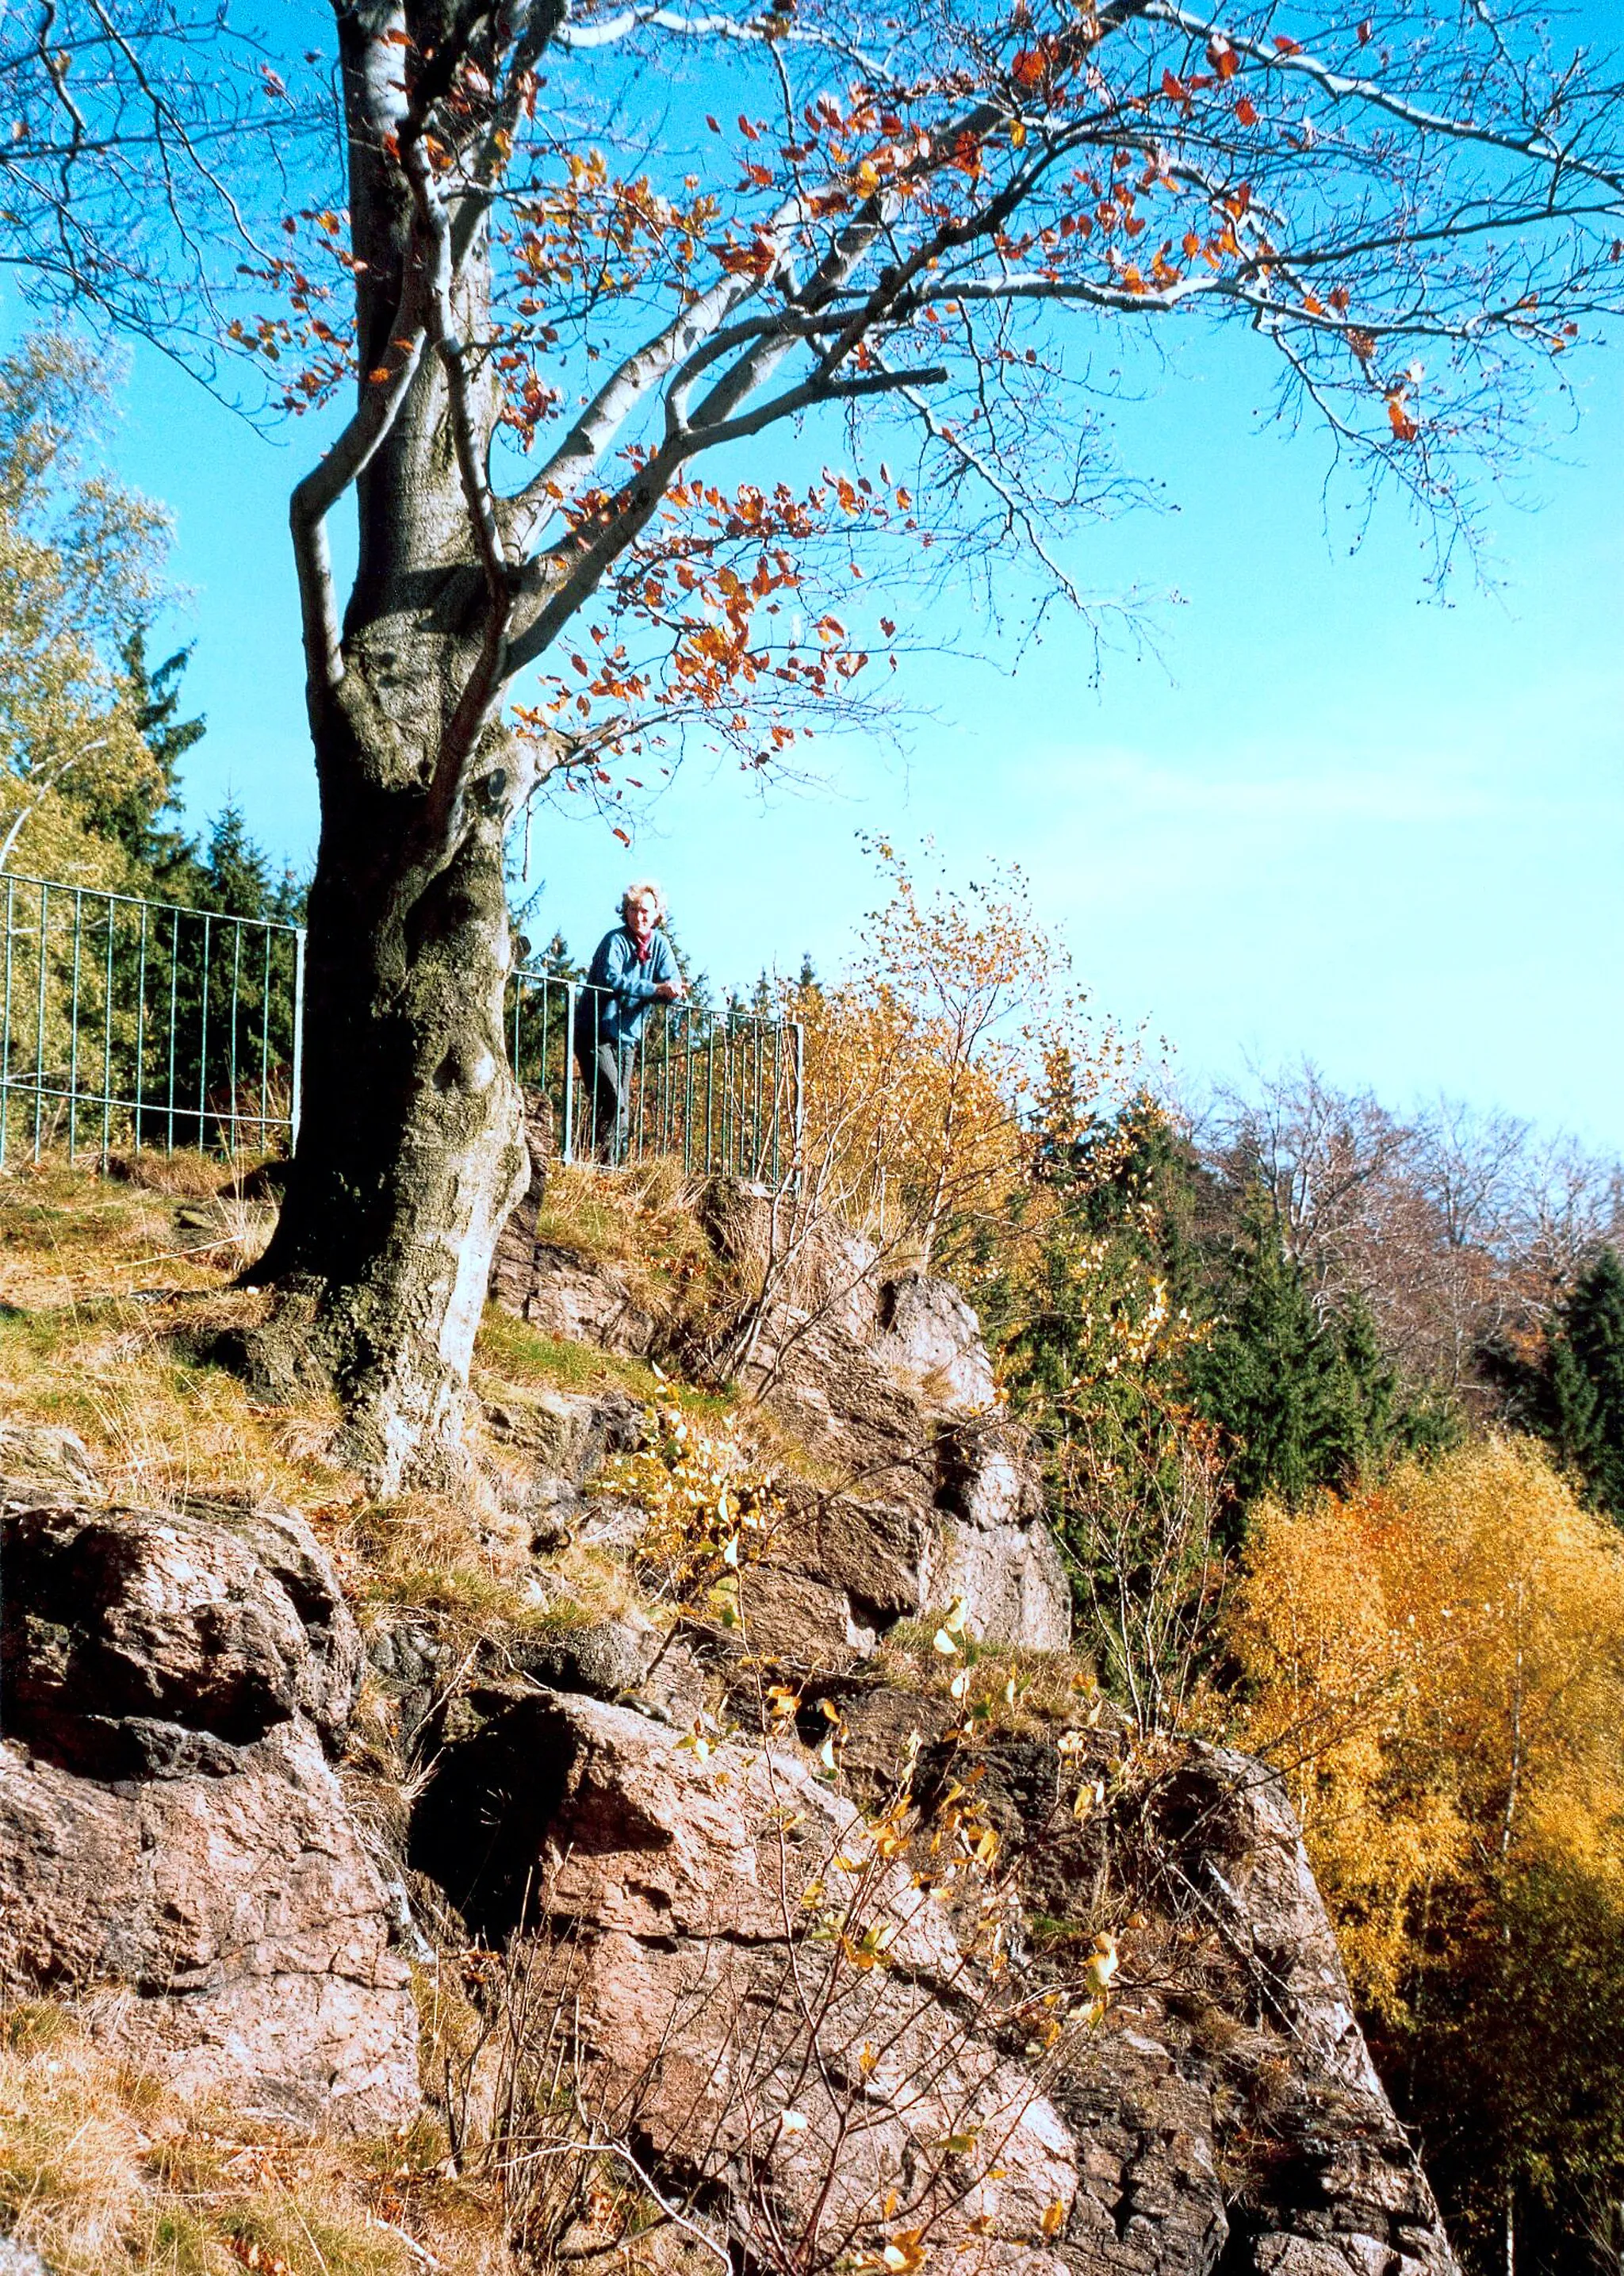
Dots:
{"x": 577, "y": 344}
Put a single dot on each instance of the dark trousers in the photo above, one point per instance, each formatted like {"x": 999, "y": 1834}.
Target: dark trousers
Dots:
{"x": 606, "y": 1071}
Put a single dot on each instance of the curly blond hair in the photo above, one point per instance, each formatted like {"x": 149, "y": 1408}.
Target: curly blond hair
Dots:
{"x": 644, "y": 889}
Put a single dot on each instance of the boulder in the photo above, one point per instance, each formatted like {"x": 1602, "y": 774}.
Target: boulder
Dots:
{"x": 681, "y": 1907}
{"x": 512, "y": 1268}
{"x": 132, "y": 1642}
{"x": 926, "y": 1331}
{"x": 909, "y": 1420}
{"x": 564, "y": 1293}
{"x": 1227, "y": 2105}
{"x": 781, "y": 2018}
{"x": 602, "y": 1659}
{"x": 39, "y": 1462}
{"x": 559, "y": 1440}
{"x": 996, "y": 1550}
{"x": 174, "y": 1683}
{"x": 239, "y": 1910}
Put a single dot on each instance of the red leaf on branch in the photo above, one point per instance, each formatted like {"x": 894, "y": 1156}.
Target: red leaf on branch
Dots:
{"x": 622, "y": 835}
{"x": 1245, "y": 111}
{"x": 1287, "y": 45}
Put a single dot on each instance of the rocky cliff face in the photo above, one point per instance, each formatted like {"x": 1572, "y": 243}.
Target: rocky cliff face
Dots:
{"x": 172, "y": 1690}
{"x": 848, "y": 1977}
{"x": 884, "y": 1381}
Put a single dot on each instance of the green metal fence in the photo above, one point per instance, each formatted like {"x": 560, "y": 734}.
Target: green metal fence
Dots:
{"x": 130, "y": 1023}
{"x": 126, "y": 1022}
{"x": 722, "y": 1089}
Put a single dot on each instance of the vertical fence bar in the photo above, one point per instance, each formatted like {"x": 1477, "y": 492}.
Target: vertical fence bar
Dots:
{"x": 569, "y": 1071}
{"x": 107, "y": 1037}
{"x": 298, "y": 1038}
{"x": 38, "y": 1048}
{"x": 265, "y": 1046}
{"x": 5, "y": 1042}
{"x": 174, "y": 983}
{"x": 141, "y": 1032}
{"x": 757, "y": 1038}
{"x": 236, "y": 1005}
{"x": 777, "y": 1040}
{"x": 799, "y": 1165}
{"x": 202, "y": 1039}
{"x": 711, "y": 1094}
{"x": 79, "y": 926}
{"x": 687, "y": 1094}
{"x": 666, "y": 1020}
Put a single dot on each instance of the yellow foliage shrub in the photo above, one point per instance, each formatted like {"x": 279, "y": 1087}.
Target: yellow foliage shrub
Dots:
{"x": 923, "y": 1066}
{"x": 709, "y": 1511}
{"x": 1436, "y": 1667}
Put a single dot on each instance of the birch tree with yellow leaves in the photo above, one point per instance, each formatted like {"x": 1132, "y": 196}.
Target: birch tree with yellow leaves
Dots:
{"x": 1436, "y": 1666}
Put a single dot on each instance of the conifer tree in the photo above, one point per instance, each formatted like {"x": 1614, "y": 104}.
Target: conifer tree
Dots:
{"x": 233, "y": 873}
{"x": 1300, "y": 1401}
{"x": 138, "y": 815}
{"x": 1582, "y": 1393}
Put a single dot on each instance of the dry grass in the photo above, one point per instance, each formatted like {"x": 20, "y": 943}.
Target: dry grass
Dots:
{"x": 1009, "y": 1692}
{"x": 160, "y": 1422}
{"x": 511, "y": 1353}
{"x": 102, "y": 2170}
{"x": 641, "y": 1219}
{"x": 67, "y": 1233}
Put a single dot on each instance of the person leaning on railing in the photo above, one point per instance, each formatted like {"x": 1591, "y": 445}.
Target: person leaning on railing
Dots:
{"x": 634, "y": 968}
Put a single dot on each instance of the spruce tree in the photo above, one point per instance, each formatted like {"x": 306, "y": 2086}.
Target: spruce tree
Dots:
{"x": 1300, "y": 1401}
{"x": 139, "y": 819}
{"x": 1582, "y": 1399}
{"x": 234, "y": 875}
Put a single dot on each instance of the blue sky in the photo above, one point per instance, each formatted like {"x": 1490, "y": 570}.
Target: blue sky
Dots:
{"x": 1325, "y": 813}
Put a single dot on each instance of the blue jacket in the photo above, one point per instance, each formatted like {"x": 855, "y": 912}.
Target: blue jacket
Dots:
{"x": 620, "y": 1015}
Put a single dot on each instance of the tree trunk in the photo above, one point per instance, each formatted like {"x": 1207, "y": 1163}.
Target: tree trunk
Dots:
{"x": 410, "y": 1151}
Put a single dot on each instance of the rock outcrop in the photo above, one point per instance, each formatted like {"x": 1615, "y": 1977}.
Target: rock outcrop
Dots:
{"x": 884, "y": 1379}
{"x": 828, "y": 1958}
{"x": 680, "y": 1918}
{"x": 769, "y": 2002}
{"x": 561, "y": 1291}
{"x": 170, "y": 1825}
{"x": 561, "y": 1439}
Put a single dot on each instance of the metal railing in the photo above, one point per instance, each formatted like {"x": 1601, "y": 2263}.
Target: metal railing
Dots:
{"x": 722, "y": 1090}
{"x": 126, "y": 1022}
